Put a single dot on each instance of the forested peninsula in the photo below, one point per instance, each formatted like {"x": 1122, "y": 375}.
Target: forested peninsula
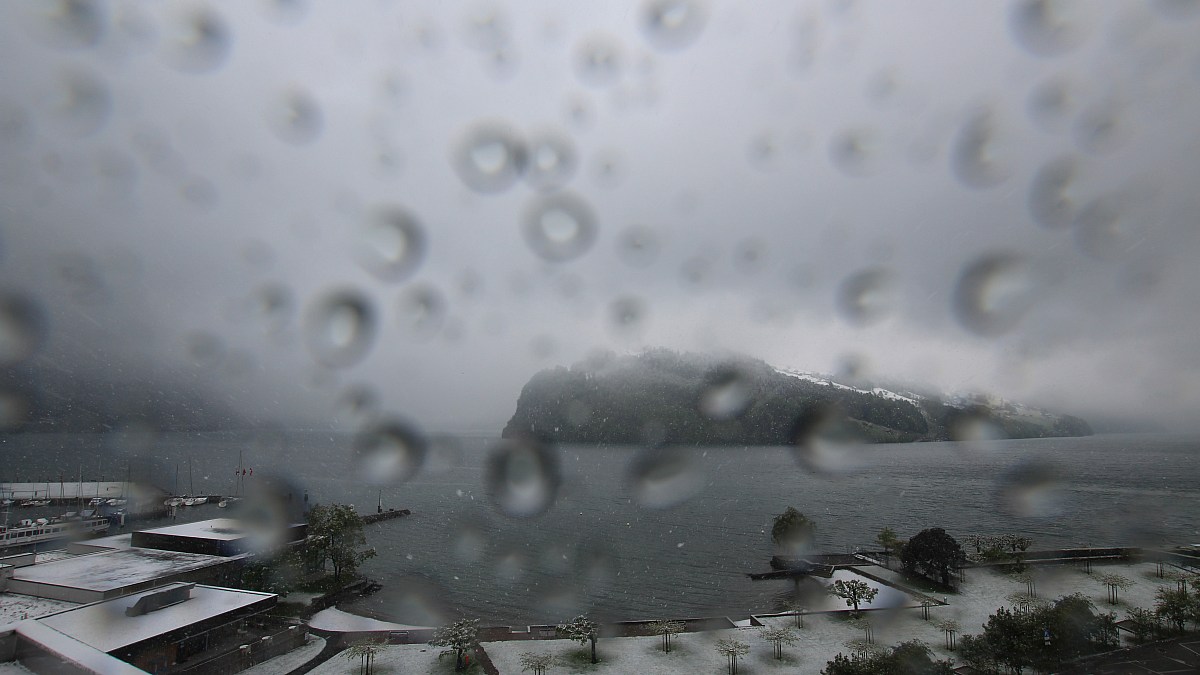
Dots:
{"x": 663, "y": 397}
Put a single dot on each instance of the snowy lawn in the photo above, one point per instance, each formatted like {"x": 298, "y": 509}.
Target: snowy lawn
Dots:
{"x": 398, "y": 660}
{"x": 286, "y": 663}
{"x": 15, "y": 607}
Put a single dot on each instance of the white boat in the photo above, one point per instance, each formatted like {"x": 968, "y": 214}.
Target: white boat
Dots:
{"x": 116, "y": 501}
{"x": 35, "y": 502}
{"x": 96, "y": 501}
{"x": 193, "y": 501}
{"x": 228, "y": 501}
{"x": 28, "y": 531}
{"x": 174, "y": 501}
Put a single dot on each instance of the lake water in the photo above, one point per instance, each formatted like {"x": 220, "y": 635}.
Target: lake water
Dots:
{"x": 598, "y": 551}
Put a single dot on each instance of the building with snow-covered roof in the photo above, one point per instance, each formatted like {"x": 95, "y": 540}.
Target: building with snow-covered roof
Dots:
{"x": 153, "y": 631}
{"x": 108, "y": 574}
{"x": 219, "y": 536}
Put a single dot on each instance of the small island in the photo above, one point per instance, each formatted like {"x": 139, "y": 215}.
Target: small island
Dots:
{"x": 662, "y": 397}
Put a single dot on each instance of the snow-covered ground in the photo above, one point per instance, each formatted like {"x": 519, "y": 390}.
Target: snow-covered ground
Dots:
{"x": 15, "y": 607}
{"x": 334, "y": 619}
{"x": 398, "y": 660}
{"x": 13, "y": 668}
{"x": 286, "y": 663}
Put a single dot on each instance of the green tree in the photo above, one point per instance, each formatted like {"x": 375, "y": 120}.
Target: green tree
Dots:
{"x": 582, "y": 630}
{"x": 667, "y": 629}
{"x": 1146, "y": 624}
{"x": 854, "y": 592}
{"x": 459, "y": 637}
{"x": 538, "y": 663}
{"x": 1174, "y": 606}
{"x": 365, "y": 652}
{"x": 1115, "y": 583}
{"x": 887, "y": 540}
{"x": 934, "y": 553}
{"x": 907, "y": 658}
{"x": 337, "y": 533}
{"x": 731, "y": 650}
{"x": 793, "y": 530}
{"x": 778, "y": 637}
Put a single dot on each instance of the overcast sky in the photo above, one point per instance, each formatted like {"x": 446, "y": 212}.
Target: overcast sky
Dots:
{"x": 982, "y": 196}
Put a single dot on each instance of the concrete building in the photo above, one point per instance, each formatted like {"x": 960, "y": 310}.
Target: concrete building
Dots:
{"x": 113, "y": 573}
{"x": 219, "y": 536}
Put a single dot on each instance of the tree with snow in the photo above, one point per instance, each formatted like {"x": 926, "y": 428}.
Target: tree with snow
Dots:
{"x": 667, "y": 629}
{"x": 461, "y": 636}
{"x": 337, "y": 535}
{"x": 582, "y": 630}
{"x": 732, "y": 649}
{"x": 1115, "y": 583}
{"x": 778, "y": 637}
{"x": 854, "y": 592}
{"x": 365, "y": 652}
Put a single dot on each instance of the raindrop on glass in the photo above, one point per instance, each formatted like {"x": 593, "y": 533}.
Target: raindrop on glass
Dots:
{"x": 672, "y": 24}
{"x": 1048, "y": 27}
{"x": 391, "y": 244}
{"x": 421, "y": 310}
{"x": 200, "y": 41}
{"x": 1103, "y": 230}
{"x": 389, "y": 453}
{"x": 993, "y": 293}
{"x": 84, "y": 105}
{"x": 627, "y": 313}
{"x": 866, "y": 297}
{"x": 1099, "y": 129}
{"x": 14, "y": 410}
{"x": 1032, "y": 489}
{"x": 490, "y": 157}
{"x": 855, "y": 152}
{"x": 660, "y": 478}
{"x": 523, "y": 477}
{"x": 727, "y": 393}
{"x": 825, "y": 439}
{"x": 22, "y": 327}
{"x": 296, "y": 118}
{"x": 598, "y": 61}
{"x": 74, "y": 24}
{"x": 357, "y": 404}
{"x": 1050, "y": 201}
{"x": 552, "y": 161}
{"x": 638, "y": 246}
{"x": 560, "y": 227}
{"x": 469, "y": 543}
{"x": 975, "y": 158}
{"x": 1051, "y": 105}
{"x": 340, "y": 328}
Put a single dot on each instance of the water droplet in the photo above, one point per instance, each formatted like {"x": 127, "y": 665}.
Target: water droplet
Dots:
{"x": 296, "y": 118}
{"x": 638, "y": 246}
{"x": 1048, "y": 27}
{"x": 552, "y": 161}
{"x": 607, "y": 169}
{"x": 469, "y": 542}
{"x": 855, "y": 151}
{"x": 201, "y": 41}
{"x": 22, "y": 327}
{"x": 14, "y": 410}
{"x": 975, "y": 158}
{"x": 1050, "y": 201}
{"x": 1051, "y": 104}
{"x": 993, "y": 293}
{"x": 287, "y": 11}
{"x": 560, "y": 227}
{"x": 1032, "y": 489}
{"x": 389, "y": 453}
{"x": 696, "y": 270}
{"x": 1103, "y": 230}
{"x": 445, "y": 454}
{"x": 357, "y": 404}
{"x": 274, "y": 303}
{"x": 824, "y": 439}
{"x": 750, "y": 255}
{"x": 84, "y": 105}
{"x": 490, "y": 157}
{"x": 523, "y": 478}
{"x": 661, "y": 478}
{"x": 74, "y": 24}
{"x": 866, "y": 297}
{"x": 598, "y": 61}
{"x": 421, "y": 310}
{"x": 340, "y": 328}
{"x": 972, "y": 425}
{"x": 391, "y": 244}
{"x": 486, "y": 29}
{"x": 1099, "y": 129}
{"x": 416, "y": 601}
{"x": 627, "y": 313}
{"x": 672, "y": 24}
{"x": 1176, "y": 10}
{"x": 727, "y": 393}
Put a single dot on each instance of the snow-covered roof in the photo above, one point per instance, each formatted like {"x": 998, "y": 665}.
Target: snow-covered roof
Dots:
{"x": 224, "y": 529}
{"x": 110, "y": 570}
{"x": 104, "y": 625}
{"x": 15, "y": 607}
{"x": 76, "y": 651}
{"x": 112, "y": 541}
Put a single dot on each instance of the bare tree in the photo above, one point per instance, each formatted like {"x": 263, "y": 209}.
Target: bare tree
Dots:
{"x": 732, "y": 649}
{"x": 778, "y": 637}
{"x": 667, "y": 629}
{"x": 864, "y": 624}
{"x": 1115, "y": 583}
{"x": 926, "y": 603}
{"x": 951, "y": 628}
